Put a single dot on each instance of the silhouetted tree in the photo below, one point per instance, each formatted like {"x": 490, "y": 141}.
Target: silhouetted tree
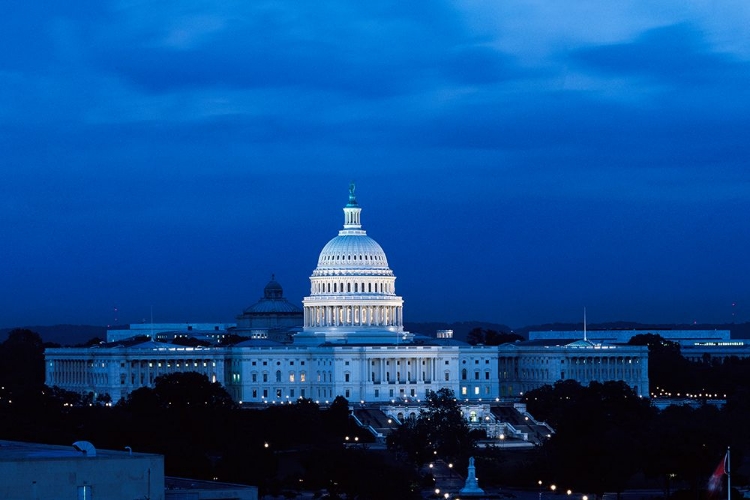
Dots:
{"x": 22, "y": 361}
{"x": 180, "y": 390}
{"x": 668, "y": 370}
{"x": 484, "y": 336}
{"x": 440, "y": 430}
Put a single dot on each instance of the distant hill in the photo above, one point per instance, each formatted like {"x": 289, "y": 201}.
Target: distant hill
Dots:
{"x": 66, "y": 335}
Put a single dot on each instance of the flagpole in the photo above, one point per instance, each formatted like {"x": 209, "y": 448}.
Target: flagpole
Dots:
{"x": 727, "y": 470}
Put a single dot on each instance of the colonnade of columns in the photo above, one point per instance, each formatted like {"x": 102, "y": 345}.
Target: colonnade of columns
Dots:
{"x": 402, "y": 370}
{"x": 353, "y": 315}
{"x": 602, "y": 368}
{"x": 69, "y": 372}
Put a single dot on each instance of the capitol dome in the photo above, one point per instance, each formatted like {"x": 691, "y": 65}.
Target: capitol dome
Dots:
{"x": 352, "y": 290}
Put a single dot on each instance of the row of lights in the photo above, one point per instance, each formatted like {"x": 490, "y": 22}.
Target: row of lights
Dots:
{"x": 553, "y": 488}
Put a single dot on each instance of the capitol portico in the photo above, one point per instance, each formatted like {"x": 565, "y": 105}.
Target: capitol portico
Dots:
{"x": 352, "y": 343}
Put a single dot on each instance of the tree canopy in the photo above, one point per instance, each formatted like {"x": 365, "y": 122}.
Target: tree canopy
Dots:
{"x": 180, "y": 390}
{"x": 440, "y": 431}
{"x": 487, "y": 336}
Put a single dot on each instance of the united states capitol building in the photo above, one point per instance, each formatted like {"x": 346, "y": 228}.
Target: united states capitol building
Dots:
{"x": 347, "y": 340}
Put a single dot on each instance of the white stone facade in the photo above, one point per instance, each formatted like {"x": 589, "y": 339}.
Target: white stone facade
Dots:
{"x": 352, "y": 344}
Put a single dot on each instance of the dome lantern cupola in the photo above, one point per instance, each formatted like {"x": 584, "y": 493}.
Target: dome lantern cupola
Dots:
{"x": 352, "y": 210}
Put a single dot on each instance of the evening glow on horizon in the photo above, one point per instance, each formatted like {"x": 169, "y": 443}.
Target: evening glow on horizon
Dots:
{"x": 517, "y": 161}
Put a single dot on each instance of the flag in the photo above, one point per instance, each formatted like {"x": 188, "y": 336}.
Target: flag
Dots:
{"x": 715, "y": 481}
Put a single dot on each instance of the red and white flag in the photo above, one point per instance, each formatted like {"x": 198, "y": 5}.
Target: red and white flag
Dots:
{"x": 715, "y": 481}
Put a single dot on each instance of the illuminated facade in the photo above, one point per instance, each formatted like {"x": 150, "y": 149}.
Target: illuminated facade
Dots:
{"x": 353, "y": 344}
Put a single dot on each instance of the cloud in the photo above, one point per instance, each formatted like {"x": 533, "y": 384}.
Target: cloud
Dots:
{"x": 677, "y": 54}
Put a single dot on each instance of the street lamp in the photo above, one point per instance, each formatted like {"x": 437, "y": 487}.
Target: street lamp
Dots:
{"x": 502, "y": 440}
{"x": 553, "y": 488}
{"x": 540, "y": 489}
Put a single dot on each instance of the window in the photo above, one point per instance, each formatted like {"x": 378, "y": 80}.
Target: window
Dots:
{"x": 463, "y": 374}
{"x": 265, "y": 377}
{"x": 255, "y": 377}
{"x": 476, "y": 375}
{"x": 278, "y": 375}
{"x": 346, "y": 378}
{"x": 278, "y": 393}
{"x": 377, "y": 393}
{"x": 446, "y": 362}
{"x": 447, "y": 376}
{"x": 486, "y": 375}
{"x": 302, "y": 377}
{"x": 291, "y": 377}
{"x": 265, "y": 393}
{"x": 346, "y": 393}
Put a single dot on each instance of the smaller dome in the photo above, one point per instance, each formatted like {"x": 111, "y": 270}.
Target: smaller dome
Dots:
{"x": 273, "y": 289}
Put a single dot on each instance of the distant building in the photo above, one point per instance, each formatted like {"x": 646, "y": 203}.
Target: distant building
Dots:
{"x": 167, "y": 332}
{"x": 695, "y": 345}
{"x": 682, "y": 337}
{"x": 272, "y": 317}
{"x": 350, "y": 342}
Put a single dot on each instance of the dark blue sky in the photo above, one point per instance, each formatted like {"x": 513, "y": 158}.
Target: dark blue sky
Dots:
{"x": 516, "y": 160}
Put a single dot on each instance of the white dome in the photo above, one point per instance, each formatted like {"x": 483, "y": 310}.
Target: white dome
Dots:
{"x": 352, "y": 251}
